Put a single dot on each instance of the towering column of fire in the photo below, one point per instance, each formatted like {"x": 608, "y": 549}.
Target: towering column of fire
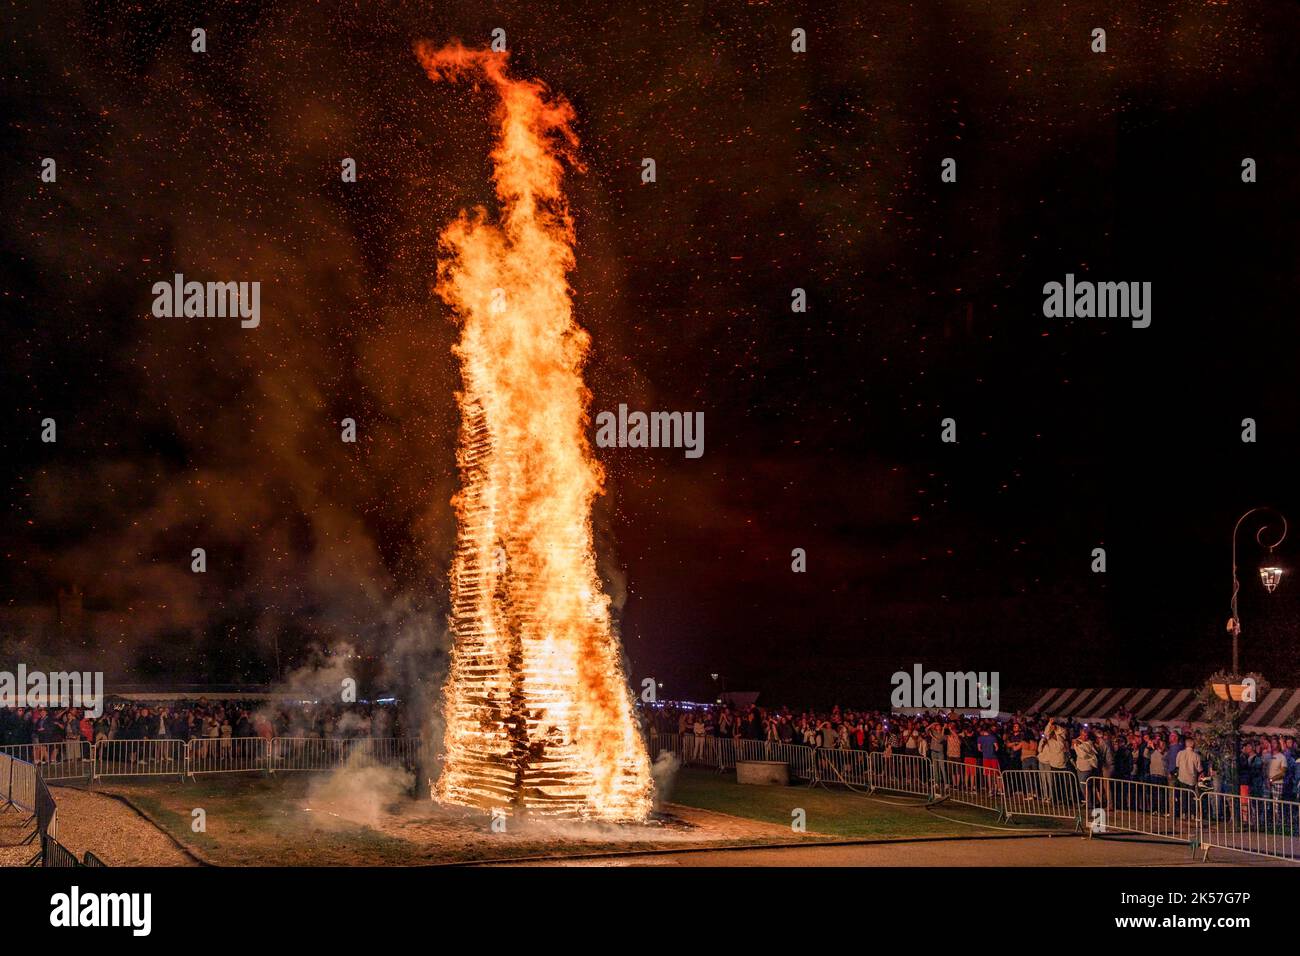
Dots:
{"x": 539, "y": 715}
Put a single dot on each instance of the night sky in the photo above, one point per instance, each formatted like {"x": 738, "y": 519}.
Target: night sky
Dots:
{"x": 775, "y": 170}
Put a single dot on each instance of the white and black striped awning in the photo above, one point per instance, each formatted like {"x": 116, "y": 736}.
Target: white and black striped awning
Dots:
{"x": 1272, "y": 713}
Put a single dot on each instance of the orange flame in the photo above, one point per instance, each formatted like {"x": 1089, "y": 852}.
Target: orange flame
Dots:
{"x": 538, "y": 711}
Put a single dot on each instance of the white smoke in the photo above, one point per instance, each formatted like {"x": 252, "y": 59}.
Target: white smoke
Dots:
{"x": 360, "y": 792}
{"x": 664, "y": 774}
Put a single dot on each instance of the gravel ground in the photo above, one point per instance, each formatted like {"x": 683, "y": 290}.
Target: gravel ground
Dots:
{"x": 14, "y": 828}
{"x": 93, "y": 821}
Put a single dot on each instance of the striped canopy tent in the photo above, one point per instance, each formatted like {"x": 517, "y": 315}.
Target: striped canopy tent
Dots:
{"x": 1272, "y": 713}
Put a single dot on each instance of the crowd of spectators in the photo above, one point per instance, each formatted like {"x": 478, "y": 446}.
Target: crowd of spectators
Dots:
{"x": 199, "y": 720}
{"x": 1120, "y": 747}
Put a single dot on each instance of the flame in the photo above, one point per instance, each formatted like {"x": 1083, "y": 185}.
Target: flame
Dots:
{"x": 538, "y": 712}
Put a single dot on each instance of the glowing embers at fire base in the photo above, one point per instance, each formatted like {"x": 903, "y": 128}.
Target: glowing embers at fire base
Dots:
{"x": 539, "y": 715}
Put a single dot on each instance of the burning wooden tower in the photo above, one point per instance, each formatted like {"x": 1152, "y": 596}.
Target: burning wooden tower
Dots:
{"x": 538, "y": 712}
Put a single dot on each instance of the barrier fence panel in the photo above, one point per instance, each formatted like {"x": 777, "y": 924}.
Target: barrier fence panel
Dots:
{"x": 1137, "y": 806}
{"x": 138, "y": 758}
{"x": 23, "y": 787}
{"x": 752, "y": 750}
{"x": 1042, "y": 793}
{"x": 800, "y": 759}
{"x": 901, "y": 773}
{"x": 226, "y": 755}
{"x": 371, "y": 750}
{"x": 62, "y": 760}
{"x": 18, "y": 783}
{"x": 405, "y": 752}
{"x": 47, "y": 812}
{"x": 1259, "y": 825}
{"x": 660, "y": 743}
{"x": 54, "y": 853}
{"x": 706, "y": 751}
{"x": 904, "y": 773}
{"x": 969, "y": 783}
{"x": 306, "y": 753}
{"x": 726, "y": 753}
{"x": 91, "y": 860}
{"x": 852, "y": 767}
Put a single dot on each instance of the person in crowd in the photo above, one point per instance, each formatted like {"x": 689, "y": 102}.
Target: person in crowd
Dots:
{"x": 936, "y": 740}
{"x": 1187, "y": 775}
{"x": 1013, "y": 745}
{"x": 1158, "y": 774}
{"x": 1086, "y": 761}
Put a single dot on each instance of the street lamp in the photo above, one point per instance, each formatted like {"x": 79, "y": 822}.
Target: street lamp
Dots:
{"x": 1270, "y": 572}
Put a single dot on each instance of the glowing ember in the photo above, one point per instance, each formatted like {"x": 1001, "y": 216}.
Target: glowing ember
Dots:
{"x": 539, "y": 715}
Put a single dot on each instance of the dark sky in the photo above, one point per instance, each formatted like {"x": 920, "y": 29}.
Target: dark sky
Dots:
{"x": 775, "y": 170}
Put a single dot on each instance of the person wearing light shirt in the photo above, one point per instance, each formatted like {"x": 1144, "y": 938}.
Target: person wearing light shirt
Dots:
{"x": 1051, "y": 752}
{"x": 1188, "y": 764}
{"x": 1188, "y": 767}
{"x": 1085, "y": 758}
{"x": 1276, "y": 770}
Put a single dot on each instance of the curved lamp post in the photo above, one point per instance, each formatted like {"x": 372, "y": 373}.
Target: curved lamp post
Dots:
{"x": 1270, "y": 572}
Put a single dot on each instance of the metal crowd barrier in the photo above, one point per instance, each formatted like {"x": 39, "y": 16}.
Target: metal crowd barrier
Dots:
{"x": 1259, "y": 825}
{"x": 901, "y": 773}
{"x": 716, "y": 752}
{"x": 657, "y": 744}
{"x": 1055, "y": 794}
{"x": 63, "y": 760}
{"x": 226, "y": 755}
{"x": 315, "y": 753}
{"x": 970, "y": 783}
{"x": 307, "y": 753}
{"x": 51, "y": 852}
{"x": 54, "y": 853}
{"x": 18, "y": 783}
{"x": 721, "y": 753}
{"x": 78, "y": 760}
{"x": 844, "y": 766}
{"x": 47, "y": 811}
{"x": 387, "y": 751}
{"x": 1135, "y": 806}
{"x": 800, "y": 759}
{"x": 138, "y": 758}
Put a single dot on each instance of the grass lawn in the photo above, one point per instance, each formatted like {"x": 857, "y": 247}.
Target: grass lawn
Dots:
{"x": 265, "y": 820}
{"x": 254, "y": 820}
{"x": 839, "y": 813}
{"x": 290, "y": 819}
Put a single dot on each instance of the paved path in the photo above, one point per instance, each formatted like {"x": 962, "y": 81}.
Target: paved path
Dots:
{"x": 1030, "y": 851}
